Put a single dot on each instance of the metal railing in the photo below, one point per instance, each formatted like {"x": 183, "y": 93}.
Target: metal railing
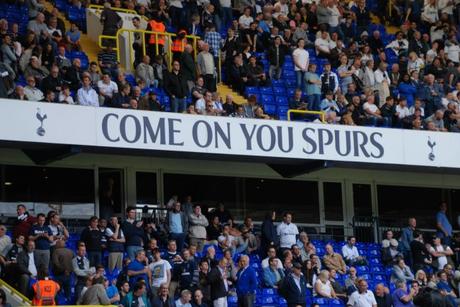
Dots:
{"x": 321, "y": 114}
{"x": 121, "y": 10}
{"x": 15, "y": 293}
{"x": 167, "y": 37}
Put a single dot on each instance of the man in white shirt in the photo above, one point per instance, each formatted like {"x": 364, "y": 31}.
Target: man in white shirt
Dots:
{"x": 271, "y": 253}
{"x": 350, "y": 253}
{"x": 440, "y": 252}
{"x": 107, "y": 88}
{"x": 300, "y": 57}
{"x": 200, "y": 104}
{"x": 26, "y": 267}
{"x": 362, "y": 297}
{"x": 5, "y": 241}
{"x": 322, "y": 45}
{"x": 31, "y": 91}
{"x": 161, "y": 272}
{"x": 382, "y": 82}
{"x": 402, "y": 110}
{"x": 400, "y": 45}
{"x": 452, "y": 50}
{"x": 87, "y": 96}
{"x": 287, "y": 232}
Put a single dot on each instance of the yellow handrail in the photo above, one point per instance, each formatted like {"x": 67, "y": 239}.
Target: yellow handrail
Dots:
{"x": 14, "y": 291}
{"x": 320, "y": 113}
{"x": 167, "y": 35}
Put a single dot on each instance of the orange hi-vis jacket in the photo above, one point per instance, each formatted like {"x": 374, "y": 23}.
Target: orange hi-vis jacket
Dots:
{"x": 45, "y": 291}
{"x": 157, "y": 27}
{"x": 178, "y": 44}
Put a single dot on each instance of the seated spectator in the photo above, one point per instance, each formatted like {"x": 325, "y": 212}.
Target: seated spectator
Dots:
{"x": 94, "y": 73}
{"x": 350, "y": 253}
{"x": 437, "y": 121}
{"x": 390, "y": 252}
{"x": 440, "y": 253}
{"x": 184, "y": 299}
{"x": 259, "y": 114}
{"x": 96, "y": 294}
{"x": 198, "y": 299}
{"x": 112, "y": 292}
{"x": 86, "y": 95}
{"x": 238, "y": 75}
{"x": 150, "y": 102}
{"x": 65, "y": 95}
{"x": 35, "y": 69}
{"x": 19, "y": 93}
{"x": 53, "y": 82}
{"x": 296, "y": 255}
{"x": 417, "y": 105}
{"x": 333, "y": 260}
{"x": 323, "y": 287}
{"x": 382, "y": 296}
{"x": 339, "y": 289}
{"x": 74, "y": 74}
{"x": 73, "y": 37}
{"x": 401, "y": 271}
{"x": 26, "y": 269}
{"x": 31, "y": 91}
{"x": 400, "y": 45}
{"x": 373, "y": 114}
{"x": 137, "y": 294}
{"x": 329, "y": 106}
{"x": 256, "y": 74}
{"x": 310, "y": 272}
{"x": 163, "y": 298}
{"x": 402, "y": 111}
{"x": 362, "y": 297}
{"x": 122, "y": 98}
{"x": 49, "y": 97}
{"x": 273, "y": 274}
{"x": 107, "y": 89}
{"x": 351, "y": 281}
{"x": 401, "y": 297}
{"x": 421, "y": 278}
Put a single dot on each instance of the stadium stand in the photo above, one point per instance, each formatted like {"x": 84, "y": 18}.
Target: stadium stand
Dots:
{"x": 308, "y": 61}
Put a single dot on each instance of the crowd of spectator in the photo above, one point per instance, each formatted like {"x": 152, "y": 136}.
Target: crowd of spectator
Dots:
{"x": 355, "y": 74}
{"x": 191, "y": 258}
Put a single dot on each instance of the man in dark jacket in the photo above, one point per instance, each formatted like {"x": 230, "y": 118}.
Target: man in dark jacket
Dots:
{"x": 187, "y": 64}
{"x": 133, "y": 231}
{"x": 74, "y": 74}
{"x": 53, "y": 82}
{"x": 25, "y": 269}
{"x": 92, "y": 236}
{"x": 163, "y": 298}
{"x": 110, "y": 21}
{"x": 293, "y": 287}
{"x": 218, "y": 280}
{"x": 276, "y": 55}
{"x": 176, "y": 88}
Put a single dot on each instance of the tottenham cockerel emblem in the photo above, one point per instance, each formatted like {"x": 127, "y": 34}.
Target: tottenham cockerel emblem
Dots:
{"x": 41, "y": 117}
{"x": 431, "y": 144}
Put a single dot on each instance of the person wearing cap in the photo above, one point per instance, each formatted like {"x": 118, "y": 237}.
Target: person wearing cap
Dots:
{"x": 390, "y": 251}
{"x": 293, "y": 287}
{"x": 441, "y": 253}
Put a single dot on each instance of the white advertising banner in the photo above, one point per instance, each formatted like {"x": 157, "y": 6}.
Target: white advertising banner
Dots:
{"x": 116, "y": 128}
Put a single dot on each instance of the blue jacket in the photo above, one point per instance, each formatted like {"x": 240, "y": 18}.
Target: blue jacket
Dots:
{"x": 291, "y": 292}
{"x": 128, "y": 300}
{"x": 408, "y": 90}
{"x": 246, "y": 281}
{"x": 270, "y": 277}
{"x": 407, "y": 235}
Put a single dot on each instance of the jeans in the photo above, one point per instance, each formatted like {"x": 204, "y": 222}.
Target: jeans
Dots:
{"x": 275, "y": 72}
{"x": 179, "y": 238}
{"x": 94, "y": 258}
{"x": 64, "y": 282}
{"x": 178, "y": 105}
{"x": 227, "y": 16}
{"x": 132, "y": 250}
{"x": 314, "y": 102}
{"x": 300, "y": 78}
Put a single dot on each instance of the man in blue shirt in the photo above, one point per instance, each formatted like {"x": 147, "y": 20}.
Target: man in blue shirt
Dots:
{"x": 246, "y": 283}
{"x": 443, "y": 224}
{"x": 42, "y": 236}
{"x": 407, "y": 235}
{"x": 176, "y": 225}
{"x": 138, "y": 270}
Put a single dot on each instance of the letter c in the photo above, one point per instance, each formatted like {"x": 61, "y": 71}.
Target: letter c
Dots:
{"x": 105, "y": 129}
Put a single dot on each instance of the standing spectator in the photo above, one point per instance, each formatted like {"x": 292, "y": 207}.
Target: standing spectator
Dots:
{"x": 5, "y": 241}
{"x": 185, "y": 270}
{"x": 276, "y": 55}
{"x": 137, "y": 295}
{"x": 362, "y": 297}
{"x": 269, "y": 236}
{"x": 273, "y": 274}
{"x": 441, "y": 254}
{"x": 287, "y": 232}
{"x": 198, "y": 299}
{"x": 383, "y": 82}
{"x": 111, "y": 22}
{"x": 95, "y": 294}
{"x": 300, "y": 57}
{"x": 92, "y": 237}
{"x": 213, "y": 39}
{"x": 42, "y": 236}
{"x": 58, "y": 230}
{"x": 420, "y": 255}
{"x": 188, "y": 67}
{"x": 333, "y": 260}
{"x": 160, "y": 271}
{"x": 401, "y": 297}
{"x": 45, "y": 290}
{"x": 401, "y": 272}
{"x": 197, "y": 228}
{"x": 443, "y": 225}
{"x": 407, "y": 235}
{"x": 329, "y": 80}
{"x": 313, "y": 85}
{"x": 81, "y": 269}
{"x": 207, "y": 68}
{"x": 62, "y": 267}
{"x": 176, "y": 225}
{"x": 293, "y": 287}
{"x": 350, "y": 253}
{"x": 133, "y": 231}
{"x": 86, "y": 95}
{"x": 115, "y": 244}
{"x": 27, "y": 267}
{"x": 246, "y": 284}
{"x": 184, "y": 299}
{"x": 217, "y": 279}
{"x": 176, "y": 87}
{"x": 163, "y": 299}
{"x": 382, "y": 296}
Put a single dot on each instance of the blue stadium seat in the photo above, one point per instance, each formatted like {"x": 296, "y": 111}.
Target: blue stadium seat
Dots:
{"x": 266, "y": 90}
{"x": 282, "y": 101}
{"x": 270, "y": 109}
{"x": 267, "y": 99}
{"x": 279, "y": 91}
